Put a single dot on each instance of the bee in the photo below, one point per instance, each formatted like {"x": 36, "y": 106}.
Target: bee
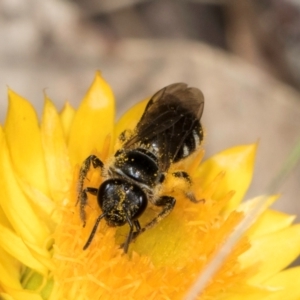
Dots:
{"x": 168, "y": 131}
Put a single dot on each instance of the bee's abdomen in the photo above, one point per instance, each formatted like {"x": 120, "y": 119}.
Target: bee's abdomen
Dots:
{"x": 191, "y": 142}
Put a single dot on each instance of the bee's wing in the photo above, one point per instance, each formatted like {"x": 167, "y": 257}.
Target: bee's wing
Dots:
{"x": 169, "y": 121}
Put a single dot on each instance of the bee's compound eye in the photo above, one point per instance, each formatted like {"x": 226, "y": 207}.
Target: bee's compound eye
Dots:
{"x": 136, "y": 201}
{"x": 118, "y": 199}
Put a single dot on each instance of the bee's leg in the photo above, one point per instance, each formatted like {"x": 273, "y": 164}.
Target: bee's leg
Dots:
{"x": 131, "y": 235}
{"x": 185, "y": 176}
{"x": 82, "y": 197}
{"x": 168, "y": 204}
{"x": 83, "y": 202}
{"x": 124, "y": 135}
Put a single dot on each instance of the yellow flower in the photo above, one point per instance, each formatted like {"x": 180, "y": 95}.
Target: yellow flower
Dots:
{"x": 41, "y": 235}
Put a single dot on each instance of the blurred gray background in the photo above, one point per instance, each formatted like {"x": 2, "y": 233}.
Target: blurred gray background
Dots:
{"x": 244, "y": 55}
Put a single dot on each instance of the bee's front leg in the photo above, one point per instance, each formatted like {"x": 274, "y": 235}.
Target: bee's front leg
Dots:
{"x": 82, "y": 193}
{"x": 83, "y": 202}
{"x": 132, "y": 234}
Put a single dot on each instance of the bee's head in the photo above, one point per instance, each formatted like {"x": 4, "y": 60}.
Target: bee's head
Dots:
{"x": 121, "y": 201}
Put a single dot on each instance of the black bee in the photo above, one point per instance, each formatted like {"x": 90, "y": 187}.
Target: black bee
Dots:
{"x": 168, "y": 131}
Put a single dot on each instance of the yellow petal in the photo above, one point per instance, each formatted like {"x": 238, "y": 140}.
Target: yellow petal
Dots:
{"x": 24, "y": 142}
{"x": 93, "y": 121}
{"x": 130, "y": 119}
{"x": 18, "y": 210}
{"x": 20, "y": 294}
{"x": 9, "y": 270}
{"x": 238, "y": 163}
{"x": 3, "y": 219}
{"x": 270, "y": 221}
{"x": 286, "y": 283}
{"x": 14, "y": 245}
{"x": 67, "y": 116}
{"x": 5, "y": 296}
{"x": 247, "y": 293}
{"x": 256, "y": 208}
{"x": 273, "y": 252}
{"x": 42, "y": 254}
{"x": 40, "y": 284}
{"x": 43, "y": 206}
{"x": 56, "y": 153}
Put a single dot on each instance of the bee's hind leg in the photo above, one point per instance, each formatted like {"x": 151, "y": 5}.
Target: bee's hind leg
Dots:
{"x": 186, "y": 177}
